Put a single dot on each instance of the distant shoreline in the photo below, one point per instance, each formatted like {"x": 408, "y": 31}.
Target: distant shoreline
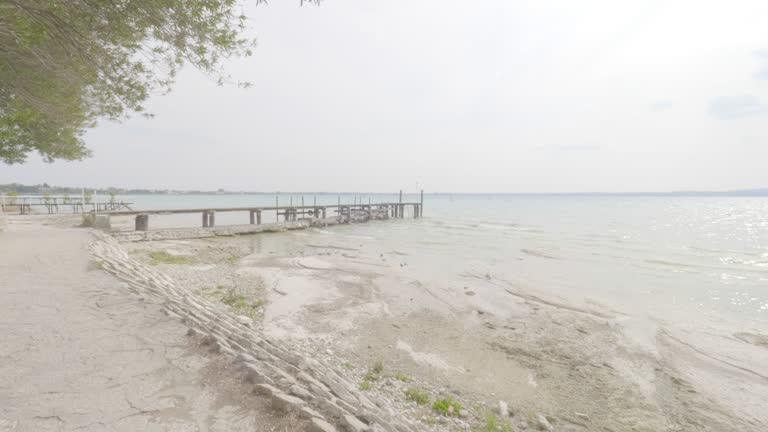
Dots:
{"x": 58, "y": 190}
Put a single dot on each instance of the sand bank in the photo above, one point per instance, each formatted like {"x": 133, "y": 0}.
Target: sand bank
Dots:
{"x": 480, "y": 340}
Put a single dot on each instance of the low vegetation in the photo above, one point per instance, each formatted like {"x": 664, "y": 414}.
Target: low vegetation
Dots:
{"x": 400, "y": 376}
{"x": 491, "y": 423}
{"x": 373, "y": 375}
{"x": 415, "y": 395}
{"x": 237, "y": 302}
{"x": 163, "y": 257}
{"x": 447, "y": 406}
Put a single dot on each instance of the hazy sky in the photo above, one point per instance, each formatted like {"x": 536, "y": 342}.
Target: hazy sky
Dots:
{"x": 494, "y": 95}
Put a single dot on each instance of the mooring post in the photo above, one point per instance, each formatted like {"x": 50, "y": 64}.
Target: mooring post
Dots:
{"x": 205, "y": 219}
{"x": 253, "y": 217}
{"x": 421, "y": 203}
{"x": 212, "y": 218}
{"x": 258, "y": 217}
{"x": 142, "y": 222}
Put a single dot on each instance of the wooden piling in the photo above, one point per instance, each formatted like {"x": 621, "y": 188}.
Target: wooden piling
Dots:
{"x": 421, "y": 203}
{"x": 142, "y": 222}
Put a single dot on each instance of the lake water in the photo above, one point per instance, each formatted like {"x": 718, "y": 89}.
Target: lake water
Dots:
{"x": 693, "y": 259}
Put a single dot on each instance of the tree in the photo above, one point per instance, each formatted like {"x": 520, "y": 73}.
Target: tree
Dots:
{"x": 64, "y": 64}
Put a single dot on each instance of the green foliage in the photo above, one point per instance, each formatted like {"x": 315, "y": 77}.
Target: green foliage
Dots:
{"x": 65, "y": 64}
{"x": 373, "y": 375}
{"x": 493, "y": 424}
{"x": 415, "y": 395}
{"x": 162, "y": 257}
{"x": 400, "y": 377}
{"x": 235, "y": 301}
{"x": 378, "y": 367}
{"x": 446, "y": 406}
{"x": 365, "y": 385}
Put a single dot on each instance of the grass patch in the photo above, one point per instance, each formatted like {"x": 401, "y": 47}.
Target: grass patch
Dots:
{"x": 373, "y": 375}
{"x": 237, "y": 302}
{"x": 447, "y": 406}
{"x": 378, "y": 367}
{"x": 415, "y": 395}
{"x": 163, "y": 257}
{"x": 365, "y": 385}
{"x": 492, "y": 423}
{"x": 400, "y": 377}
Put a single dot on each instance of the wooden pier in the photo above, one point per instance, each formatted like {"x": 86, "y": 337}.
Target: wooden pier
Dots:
{"x": 342, "y": 213}
{"x": 314, "y": 214}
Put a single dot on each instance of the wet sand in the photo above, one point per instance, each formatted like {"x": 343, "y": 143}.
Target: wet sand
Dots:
{"x": 481, "y": 339}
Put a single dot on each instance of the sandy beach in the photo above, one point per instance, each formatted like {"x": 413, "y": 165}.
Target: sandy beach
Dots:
{"x": 359, "y": 339}
{"x": 481, "y": 340}
{"x": 79, "y": 351}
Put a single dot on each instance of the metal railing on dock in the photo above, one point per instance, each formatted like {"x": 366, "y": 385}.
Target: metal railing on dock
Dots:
{"x": 53, "y": 204}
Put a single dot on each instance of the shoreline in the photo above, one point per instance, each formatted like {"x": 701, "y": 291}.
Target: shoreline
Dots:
{"x": 481, "y": 341}
{"x": 377, "y": 329}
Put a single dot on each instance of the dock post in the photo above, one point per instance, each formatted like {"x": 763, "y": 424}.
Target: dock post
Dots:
{"x": 212, "y": 218}
{"x": 205, "y": 219}
{"x": 421, "y": 203}
{"x": 142, "y": 222}
{"x": 253, "y": 217}
{"x": 258, "y": 217}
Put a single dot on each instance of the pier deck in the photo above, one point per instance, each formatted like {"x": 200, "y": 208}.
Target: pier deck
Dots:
{"x": 343, "y": 212}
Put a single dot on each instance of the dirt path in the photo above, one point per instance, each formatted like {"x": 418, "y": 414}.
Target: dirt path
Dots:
{"x": 79, "y": 352}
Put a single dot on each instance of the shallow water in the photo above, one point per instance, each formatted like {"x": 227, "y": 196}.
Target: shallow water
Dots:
{"x": 700, "y": 260}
